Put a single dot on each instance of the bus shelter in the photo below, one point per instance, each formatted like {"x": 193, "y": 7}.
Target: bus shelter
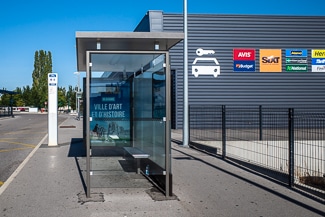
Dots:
{"x": 7, "y": 110}
{"x": 127, "y": 103}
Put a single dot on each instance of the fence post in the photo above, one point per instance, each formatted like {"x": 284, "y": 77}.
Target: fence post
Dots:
{"x": 291, "y": 147}
{"x": 223, "y": 131}
{"x": 261, "y": 122}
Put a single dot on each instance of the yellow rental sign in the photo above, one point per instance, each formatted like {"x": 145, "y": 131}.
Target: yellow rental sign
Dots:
{"x": 318, "y": 54}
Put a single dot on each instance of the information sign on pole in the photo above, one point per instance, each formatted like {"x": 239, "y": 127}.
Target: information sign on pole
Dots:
{"x": 53, "y": 109}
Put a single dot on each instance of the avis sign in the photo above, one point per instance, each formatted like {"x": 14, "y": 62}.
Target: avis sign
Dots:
{"x": 244, "y": 60}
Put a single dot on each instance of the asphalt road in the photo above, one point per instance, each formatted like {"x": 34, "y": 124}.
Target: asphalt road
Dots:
{"x": 18, "y": 137}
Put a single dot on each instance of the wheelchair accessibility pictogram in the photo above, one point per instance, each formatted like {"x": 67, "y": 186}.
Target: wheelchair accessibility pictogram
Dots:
{"x": 205, "y": 65}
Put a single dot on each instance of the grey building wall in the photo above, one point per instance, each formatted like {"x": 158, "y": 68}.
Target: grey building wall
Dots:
{"x": 151, "y": 22}
{"x": 223, "y": 33}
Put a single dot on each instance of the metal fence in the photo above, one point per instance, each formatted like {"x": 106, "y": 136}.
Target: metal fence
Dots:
{"x": 285, "y": 144}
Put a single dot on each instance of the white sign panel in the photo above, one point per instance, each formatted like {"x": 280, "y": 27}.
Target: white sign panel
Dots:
{"x": 205, "y": 65}
{"x": 53, "y": 109}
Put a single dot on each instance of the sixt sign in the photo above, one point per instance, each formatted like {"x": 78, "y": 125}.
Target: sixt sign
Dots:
{"x": 270, "y": 60}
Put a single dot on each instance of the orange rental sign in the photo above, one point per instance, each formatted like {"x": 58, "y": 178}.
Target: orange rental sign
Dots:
{"x": 270, "y": 60}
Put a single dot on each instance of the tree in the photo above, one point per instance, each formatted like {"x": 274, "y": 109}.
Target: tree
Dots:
{"x": 18, "y": 98}
{"x": 71, "y": 98}
{"x": 5, "y": 99}
{"x": 27, "y": 95}
{"x": 42, "y": 66}
{"x": 62, "y": 100}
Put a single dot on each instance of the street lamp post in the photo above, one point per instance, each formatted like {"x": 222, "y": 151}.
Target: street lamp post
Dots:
{"x": 185, "y": 96}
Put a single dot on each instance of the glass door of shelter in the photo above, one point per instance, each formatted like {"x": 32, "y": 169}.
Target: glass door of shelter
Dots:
{"x": 128, "y": 101}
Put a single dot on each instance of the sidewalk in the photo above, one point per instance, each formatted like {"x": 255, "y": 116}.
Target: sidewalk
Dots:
{"x": 49, "y": 184}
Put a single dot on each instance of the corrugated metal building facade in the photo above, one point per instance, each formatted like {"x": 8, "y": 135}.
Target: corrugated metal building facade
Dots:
{"x": 223, "y": 34}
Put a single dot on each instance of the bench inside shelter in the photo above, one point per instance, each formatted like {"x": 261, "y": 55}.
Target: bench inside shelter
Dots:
{"x": 137, "y": 154}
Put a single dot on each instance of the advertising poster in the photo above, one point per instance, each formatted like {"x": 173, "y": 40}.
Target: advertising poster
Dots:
{"x": 270, "y": 60}
{"x": 244, "y": 60}
{"x": 110, "y": 117}
{"x": 318, "y": 60}
{"x": 296, "y": 60}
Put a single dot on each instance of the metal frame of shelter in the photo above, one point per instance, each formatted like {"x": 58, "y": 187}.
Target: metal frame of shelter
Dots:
{"x": 139, "y": 53}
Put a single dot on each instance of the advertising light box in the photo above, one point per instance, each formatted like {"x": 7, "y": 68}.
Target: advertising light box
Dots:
{"x": 110, "y": 114}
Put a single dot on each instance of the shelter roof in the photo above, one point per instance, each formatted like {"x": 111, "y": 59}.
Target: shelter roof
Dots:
{"x": 123, "y": 41}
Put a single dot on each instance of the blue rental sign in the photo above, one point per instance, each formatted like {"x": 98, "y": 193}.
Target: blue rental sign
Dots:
{"x": 244, "y": 66}
{"x": 317, "y": 61}
{"x": 296, "y": 53}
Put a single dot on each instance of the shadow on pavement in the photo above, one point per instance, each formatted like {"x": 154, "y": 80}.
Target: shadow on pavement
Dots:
{"x": 312, "y": 209}
{"x": 77, "y": 149}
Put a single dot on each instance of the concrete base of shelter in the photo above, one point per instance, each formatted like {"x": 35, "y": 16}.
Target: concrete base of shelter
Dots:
{"x": 94, "y": 197}
{"x": 157, "y": 195}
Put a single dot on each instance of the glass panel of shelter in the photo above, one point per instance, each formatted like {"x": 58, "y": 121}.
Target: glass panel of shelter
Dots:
{"x": 127, "y": 107}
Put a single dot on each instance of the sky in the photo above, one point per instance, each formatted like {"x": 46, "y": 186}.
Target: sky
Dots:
{"x": 51, "y": 25}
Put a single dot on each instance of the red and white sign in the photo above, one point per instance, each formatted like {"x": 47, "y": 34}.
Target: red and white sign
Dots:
{"x": 244, "y": 54}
